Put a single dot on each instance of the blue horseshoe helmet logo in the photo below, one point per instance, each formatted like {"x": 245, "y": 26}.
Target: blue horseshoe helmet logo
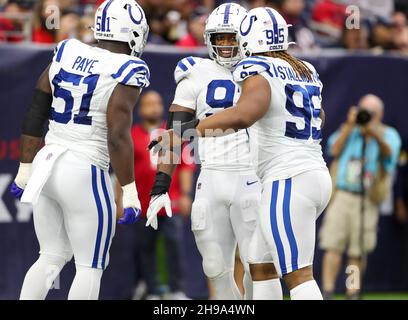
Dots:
{"x": 251, "y": 21}
{"x": 129, "y": 7}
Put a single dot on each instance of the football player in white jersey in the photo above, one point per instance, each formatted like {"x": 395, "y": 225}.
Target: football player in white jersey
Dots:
{"x": 281, "y": 102}
{"x": 88, "y": 94}
{"x": 228, "y": 192}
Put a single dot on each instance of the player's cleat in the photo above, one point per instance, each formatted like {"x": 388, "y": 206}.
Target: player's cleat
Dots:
{"x": 16, "y": 191}
{"x": 130, "y": 216}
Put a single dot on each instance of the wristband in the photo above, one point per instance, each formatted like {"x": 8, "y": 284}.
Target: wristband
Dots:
{"x": 161, "y": 184}
{"x": 130, "y": 196}
{"x": 23, "y": 174}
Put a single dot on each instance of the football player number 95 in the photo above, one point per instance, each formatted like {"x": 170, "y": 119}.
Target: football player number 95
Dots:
{"x": 306, "y": 110}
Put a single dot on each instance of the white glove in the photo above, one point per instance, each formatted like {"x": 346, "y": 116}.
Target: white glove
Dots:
{"x": 157, "y": 202}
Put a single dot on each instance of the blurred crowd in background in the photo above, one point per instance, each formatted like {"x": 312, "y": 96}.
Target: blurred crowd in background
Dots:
{"x": 382, "y": 24}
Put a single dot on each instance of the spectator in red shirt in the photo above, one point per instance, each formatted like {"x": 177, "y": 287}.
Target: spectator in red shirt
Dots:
{"x": 196, "y": 26}
{"x": 151, "y": 113}
{"x": 11, "y": 24}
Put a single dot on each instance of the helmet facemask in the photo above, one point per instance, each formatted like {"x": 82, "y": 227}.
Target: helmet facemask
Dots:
{"x": 137, "y": 46}
{"x": 226, "y": 55}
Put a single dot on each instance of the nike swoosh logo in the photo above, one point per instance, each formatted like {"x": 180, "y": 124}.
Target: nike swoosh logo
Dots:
{"x": 249, "y": 183}
{"x": 246, "y": 66}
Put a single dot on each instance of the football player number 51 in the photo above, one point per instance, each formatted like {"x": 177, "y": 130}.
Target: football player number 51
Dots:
{"x": 82, "y": 116}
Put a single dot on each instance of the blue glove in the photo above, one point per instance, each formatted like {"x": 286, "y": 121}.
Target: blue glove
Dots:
{"x": 130, "y": 216}
{"x": 16, "y": 191}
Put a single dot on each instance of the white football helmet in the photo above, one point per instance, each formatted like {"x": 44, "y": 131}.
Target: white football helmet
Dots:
{"x": 122, "y": 20}
{"x": 224, "y": 19}
{"x": 263, "y": 30}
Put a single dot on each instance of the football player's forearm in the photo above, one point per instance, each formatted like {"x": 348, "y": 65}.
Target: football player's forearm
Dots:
{"x": 222, "y": 123}
{"x": 29, "y": 146}
{"x": 121, "y": 155}
{"x": 167, "y": 168}
{"x": 167, "y": 162}
{"x": 251, "y": 106}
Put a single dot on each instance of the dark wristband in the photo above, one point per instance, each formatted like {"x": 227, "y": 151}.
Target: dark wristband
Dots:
{"x": 161, "y": 184}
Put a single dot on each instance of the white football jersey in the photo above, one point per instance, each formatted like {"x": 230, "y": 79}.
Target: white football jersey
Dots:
{"x": 82, "y": 80}
{"x": 207, "y": 88}
{"x": 286, "y": 141}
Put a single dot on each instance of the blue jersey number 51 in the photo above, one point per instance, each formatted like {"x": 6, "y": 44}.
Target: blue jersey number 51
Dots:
{"x": 82, "y": 116}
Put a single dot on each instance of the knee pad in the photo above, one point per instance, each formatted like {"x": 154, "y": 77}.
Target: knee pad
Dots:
{"x": 52, "y": 260}
{"x": 213, "y": 261}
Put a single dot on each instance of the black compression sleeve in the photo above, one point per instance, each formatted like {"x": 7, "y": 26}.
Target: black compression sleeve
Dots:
{"x": 178, "y": 117}
{"x": 187, "y": 127}
{"x": 37, "y": 114}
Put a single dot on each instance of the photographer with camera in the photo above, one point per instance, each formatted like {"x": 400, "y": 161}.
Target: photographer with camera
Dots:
{"x": 365, "y": 153}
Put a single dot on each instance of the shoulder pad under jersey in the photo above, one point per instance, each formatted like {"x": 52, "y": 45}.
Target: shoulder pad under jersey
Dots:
{"x": 251, "y": 66}
{"x": 132, "y": 71}
{"x": 184, "y": 67}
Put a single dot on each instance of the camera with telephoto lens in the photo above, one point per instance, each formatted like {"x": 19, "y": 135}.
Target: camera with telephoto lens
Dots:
{"x": 363, "y": 117}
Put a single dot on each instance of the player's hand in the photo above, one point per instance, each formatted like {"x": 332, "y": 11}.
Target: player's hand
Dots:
{"x": 20, "y": 182}
{"x": 130, "y": 216}
{"x": 16, "y": 191}
{"x": 131, "y": 204}
{"x": 157, "y": 202}
{"x": 168, "y": 140}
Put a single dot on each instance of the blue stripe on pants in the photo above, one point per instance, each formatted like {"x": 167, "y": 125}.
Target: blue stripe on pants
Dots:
{"x": 100, "y": 217}
{"x": 288, "y": 224}
{"x": 108, "y": 205}
{"x": 274, "y": 227}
